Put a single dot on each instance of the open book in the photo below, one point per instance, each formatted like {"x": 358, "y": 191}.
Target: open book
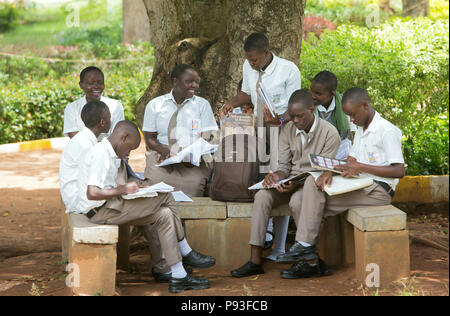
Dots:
{"x": 263, "y": 96}
{"x": 326, "y": 163}
{"x": 192, "y": 153}
{"x": 339, "y": 185}
{"x": 300, "y": 178}
{"x": 150, "y": 191}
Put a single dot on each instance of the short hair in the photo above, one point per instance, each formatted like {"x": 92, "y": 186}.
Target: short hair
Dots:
{"x": 178, "y": 70}
{"x": 93, "y": 112}
{"x": 302, "y": 96}
{"x": 327, "y": 79}
{"x": 129, "y": 127}
{"x": 86, "y": 70}
{"x": 256, "y": 42}
{"x": 355, "y": 95}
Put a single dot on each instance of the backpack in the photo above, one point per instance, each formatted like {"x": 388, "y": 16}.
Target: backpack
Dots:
{"x": 235, "y": 170}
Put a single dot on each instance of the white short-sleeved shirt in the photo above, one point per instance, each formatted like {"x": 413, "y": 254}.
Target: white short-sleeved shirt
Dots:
{"x": 74, "y": 123}
{"x": 99, "y": 167}
{"x": 194, "y": 118}
{"x": 379, "y": 145}
{"x": 281, "y": 78}
{"x": 327, "y": 112}
{"x": 71, "y": 157}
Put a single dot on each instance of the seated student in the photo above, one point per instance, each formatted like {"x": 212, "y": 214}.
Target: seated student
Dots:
{"x": 97, "y": 119}
{"x": 100, "y": 199}
{"x": 377, "y": 152}
{"x": 92, "y": 82}
{"x": 328, "y": 103}
{"x": 174, "y": 121}
{"x": 305, "y": 134}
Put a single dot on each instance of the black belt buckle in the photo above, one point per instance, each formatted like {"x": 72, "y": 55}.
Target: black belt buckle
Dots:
{"x": 91, "y": 213}
{"x": 386, "y": 187}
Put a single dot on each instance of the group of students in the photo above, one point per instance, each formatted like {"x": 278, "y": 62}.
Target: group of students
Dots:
{"x": 94, "y": 173}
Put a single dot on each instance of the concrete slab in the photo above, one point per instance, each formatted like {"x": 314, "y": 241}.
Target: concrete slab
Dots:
{"x": 85, "y": 232}
{"x": 202, "y": 208}
{"x": 377, "y": 218}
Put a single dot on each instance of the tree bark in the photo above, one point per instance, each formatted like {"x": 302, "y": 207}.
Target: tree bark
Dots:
{"x": 416, "y": 8}
{"x": 210, "y": 35}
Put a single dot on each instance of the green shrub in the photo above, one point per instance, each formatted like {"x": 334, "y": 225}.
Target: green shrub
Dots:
{"x": 9, "y": 15}
{"x": 404, "y": 66}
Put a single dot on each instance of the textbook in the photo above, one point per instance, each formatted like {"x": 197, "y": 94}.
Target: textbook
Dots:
{"x": 192, "y": 153}
{"x": 300, "y": 178}
{"x": 237, "y": 124}
{"x": 326, "y": 163}
{"x": 150, "y": 191}
{"x": 341, "y": 185}
{"x": 263, "y": 96}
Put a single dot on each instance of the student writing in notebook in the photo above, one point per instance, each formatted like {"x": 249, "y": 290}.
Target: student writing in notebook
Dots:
{"x": 377, "y": 152}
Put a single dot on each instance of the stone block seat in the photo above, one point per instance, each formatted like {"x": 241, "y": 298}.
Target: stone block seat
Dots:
{"x": 360, "y": 236}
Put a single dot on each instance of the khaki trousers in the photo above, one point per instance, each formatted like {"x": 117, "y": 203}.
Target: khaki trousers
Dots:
{"x": 191, "y": 181}
{"x": 158, "y": 213}
{"x": 309, "y": 206}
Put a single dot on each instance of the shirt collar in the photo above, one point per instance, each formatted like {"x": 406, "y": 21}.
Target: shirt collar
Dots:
{"x": 273, "y": 64}
{"x": 311, "y": 131}
{"x": 170, "y": 96}
{"x": 373, "y": 125}
{"x": 332, "y": 106}
{"x": 90, "y": 134}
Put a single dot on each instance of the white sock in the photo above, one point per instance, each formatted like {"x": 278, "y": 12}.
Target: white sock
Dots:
{"x": 184, "y": 247}
{"x": 178, "y": 270}
{"x": 304, "y": 244}
{"x": 281, "y": 224}
{"x": 269, "y": 237}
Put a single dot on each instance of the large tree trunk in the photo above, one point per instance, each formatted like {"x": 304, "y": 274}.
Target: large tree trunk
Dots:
{"x": 416, "y": 8}
{"x": 210, "y": 35}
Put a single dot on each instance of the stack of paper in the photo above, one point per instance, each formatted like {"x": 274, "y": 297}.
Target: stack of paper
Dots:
{"x": 193, "y": 152}
{"x": 340, "y": 185}
{"x": 259, "y": 186}
{"x": 262, "y": 95}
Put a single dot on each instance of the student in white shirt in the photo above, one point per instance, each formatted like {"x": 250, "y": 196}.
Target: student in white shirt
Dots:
{"x": 328, "y": 103}
{"x": 92, "y": 82}
{"x": 280, "y": 78}
{"x": 376, "y": 152}
{"x": 186, "y": 117}
{"x": 97, "y": 120}
{"x": 101, "y": 200}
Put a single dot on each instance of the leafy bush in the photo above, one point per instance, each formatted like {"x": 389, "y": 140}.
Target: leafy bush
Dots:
{"x": 404, "y": 66}
{"x": 9, "y": 15}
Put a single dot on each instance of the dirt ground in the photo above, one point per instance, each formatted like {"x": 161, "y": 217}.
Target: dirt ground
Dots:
{"x": 30, "y": 247}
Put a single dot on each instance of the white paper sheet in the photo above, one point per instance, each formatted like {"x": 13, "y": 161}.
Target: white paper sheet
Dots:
{"x": 180, "y": 196}
{"x": 194, "y": 152}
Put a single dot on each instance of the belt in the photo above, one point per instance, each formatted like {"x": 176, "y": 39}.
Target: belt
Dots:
{"x": 386, "y": 187}
{"x": 93, "y": 211}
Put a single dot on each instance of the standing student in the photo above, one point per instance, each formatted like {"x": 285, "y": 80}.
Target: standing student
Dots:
{"x": 97, "y": 120}
{"x": 328, "y": 103}
{"x": 306, "y": 134}
{"x": 280, "y": 78}
{"x": 174, "y": 121}
{"x": 92, "y": 82}
{"x": 377, "y": 153}
{"x": 100, "y": 199}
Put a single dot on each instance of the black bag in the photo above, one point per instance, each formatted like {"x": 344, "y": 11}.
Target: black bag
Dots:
{"x": 235, "y": 170}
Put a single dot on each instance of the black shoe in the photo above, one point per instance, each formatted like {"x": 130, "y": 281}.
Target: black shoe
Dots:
{"x": 301, "y": 270}
{"x": 325, "y": 270}
{"x": 248, "y": 269}
{"x": 268, "y": 244}
{"x": 188, "y": 283}
{"x": 165, "y": 277}
{"x": 298, "y": 253}
{"x": 199, "y": 261}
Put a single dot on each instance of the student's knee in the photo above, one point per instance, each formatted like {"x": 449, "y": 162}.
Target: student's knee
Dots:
{"x": 264, "y": 198}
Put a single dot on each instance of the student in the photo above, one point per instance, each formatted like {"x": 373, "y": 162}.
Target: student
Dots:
{"x": 92, "y": 82}
{"x": 376, "y": 152}
{"x": 100, "y": 199}
{"x": 306, "y": 134}
{"x": 97, "y": 119}
{"x": 280, "y": 78}
{"x": 328, "y": 103}
{"x": 174, "y": 121}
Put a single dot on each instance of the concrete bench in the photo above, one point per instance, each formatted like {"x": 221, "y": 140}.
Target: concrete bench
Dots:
{"x": 359, "y": 236}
